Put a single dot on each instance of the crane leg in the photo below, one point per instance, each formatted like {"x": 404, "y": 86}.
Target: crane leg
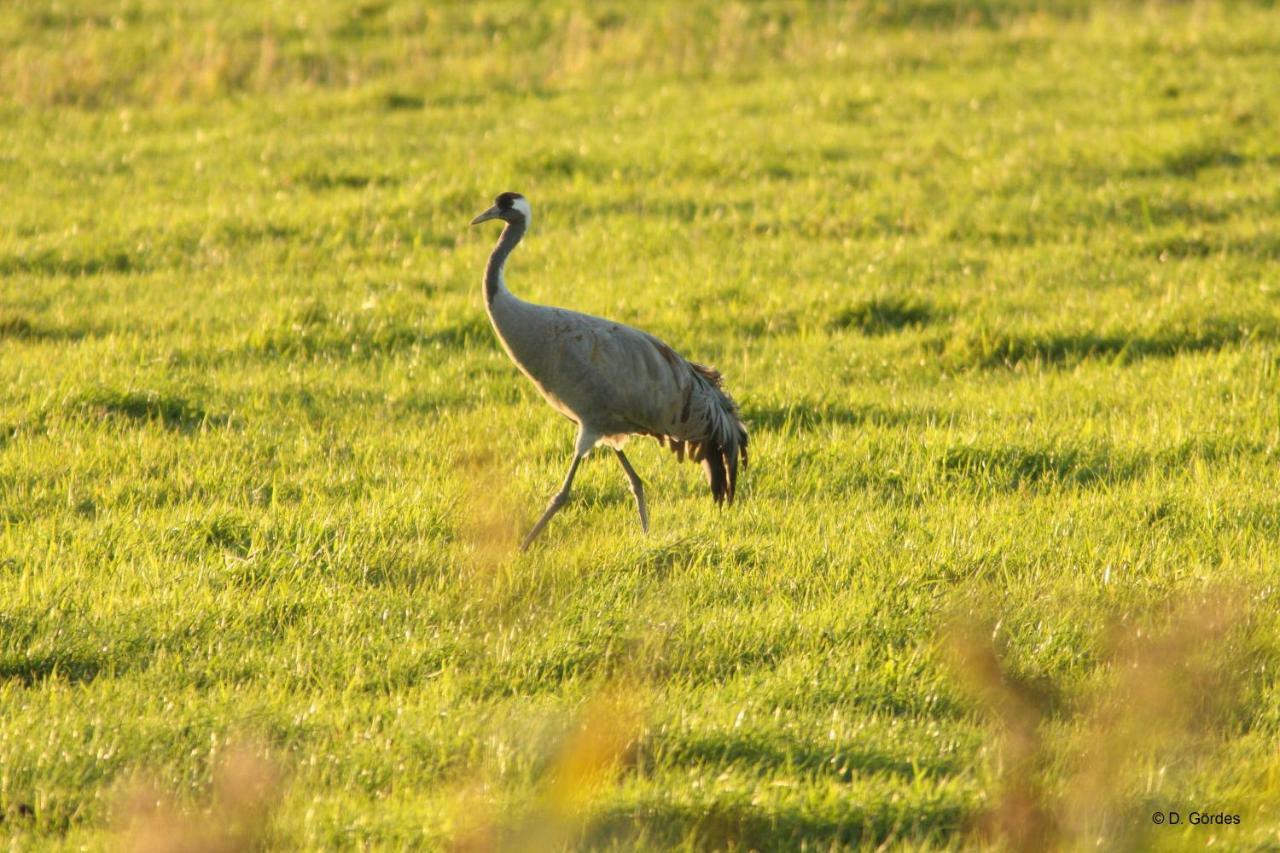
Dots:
{"x": 637, "y": 489}
{"x": 561, "y": 498}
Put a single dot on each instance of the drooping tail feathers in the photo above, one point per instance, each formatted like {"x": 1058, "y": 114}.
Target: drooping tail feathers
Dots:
{"x": 723, "y": 439}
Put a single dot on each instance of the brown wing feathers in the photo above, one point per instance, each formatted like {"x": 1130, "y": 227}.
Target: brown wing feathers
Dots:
{"x": 722, "y": 437}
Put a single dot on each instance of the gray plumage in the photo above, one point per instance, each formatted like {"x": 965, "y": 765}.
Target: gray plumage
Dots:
{"x": 612, "y": 380}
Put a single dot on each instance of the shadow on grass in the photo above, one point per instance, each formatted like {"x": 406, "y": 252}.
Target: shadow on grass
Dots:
{"x": 811, "y": 414}
{"x": 678, "y": 210}
{"x": 318, "y": 333}
{"x": 30, "y": 669}
{"x": 49, "y": 263}
{"x": 320, "y": 180}
{"x": 719, "y": 826}
{"x": 770, "y": 753}
{"x": 686, "y": 552}
{"x": 1140, "y": 211}
{"x": 1011, "y": 468}
{"x": 141, "y": 407}
{"x": 1191, "y": 159}
{"x": 398, "y": 101}
{"x": 1188, "y": 246}
{"x": 241, "y": 233}
{"x": 228, "y": 533}
{"x": 883, "y": 315}
{"x": 564, "y": 164}
{"x": 16, "y": 327}
{"x": 993, "y": 348}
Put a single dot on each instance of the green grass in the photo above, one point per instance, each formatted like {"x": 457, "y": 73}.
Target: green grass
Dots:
{"x": 995, "y": 285}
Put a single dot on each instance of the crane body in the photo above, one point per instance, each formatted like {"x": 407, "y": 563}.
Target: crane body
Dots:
{"x": 612, "y": 380}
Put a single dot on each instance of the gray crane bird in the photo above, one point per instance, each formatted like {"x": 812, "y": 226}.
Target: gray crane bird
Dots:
{"x": 611, "y": 380}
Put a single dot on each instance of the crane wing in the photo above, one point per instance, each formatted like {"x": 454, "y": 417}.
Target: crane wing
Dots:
{"x": 618, "y": 381}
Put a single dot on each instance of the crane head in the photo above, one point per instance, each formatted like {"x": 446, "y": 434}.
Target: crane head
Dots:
{"x": 509, "y": 207}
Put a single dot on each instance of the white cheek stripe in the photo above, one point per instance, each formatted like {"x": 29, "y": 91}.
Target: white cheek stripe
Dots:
{"x": 522, "y": 205}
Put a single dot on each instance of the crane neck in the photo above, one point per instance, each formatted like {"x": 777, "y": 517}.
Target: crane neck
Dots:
{"x": 493, "y": 280}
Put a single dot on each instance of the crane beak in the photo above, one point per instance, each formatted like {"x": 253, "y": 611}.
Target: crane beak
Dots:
{"x": 491, "y": 213}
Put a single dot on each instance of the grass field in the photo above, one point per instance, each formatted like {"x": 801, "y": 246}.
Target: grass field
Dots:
{"x": 995, "y": 285}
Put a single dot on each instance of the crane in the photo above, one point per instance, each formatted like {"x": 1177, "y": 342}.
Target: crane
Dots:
{"x": 612, "y": 380}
